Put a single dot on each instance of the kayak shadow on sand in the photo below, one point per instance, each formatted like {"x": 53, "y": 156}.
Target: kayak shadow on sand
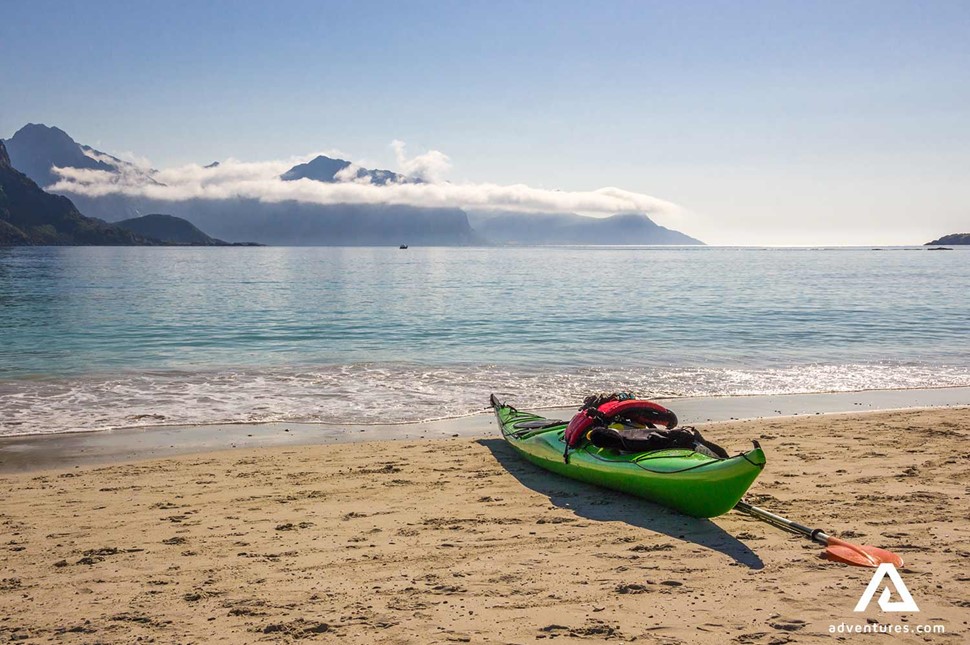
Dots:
{"x": 602, "y": 505}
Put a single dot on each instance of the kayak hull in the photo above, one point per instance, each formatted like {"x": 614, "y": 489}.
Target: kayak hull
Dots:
{"x": 681, "y": 479}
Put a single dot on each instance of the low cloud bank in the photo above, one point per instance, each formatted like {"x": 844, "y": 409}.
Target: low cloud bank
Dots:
{"x": 234, "y": 179}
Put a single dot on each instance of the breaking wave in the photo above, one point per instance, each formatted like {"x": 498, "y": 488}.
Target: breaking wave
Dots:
{"x": 371, "y": 393}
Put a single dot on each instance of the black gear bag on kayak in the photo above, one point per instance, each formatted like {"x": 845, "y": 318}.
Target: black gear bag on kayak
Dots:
{"x": 646, "y": 440}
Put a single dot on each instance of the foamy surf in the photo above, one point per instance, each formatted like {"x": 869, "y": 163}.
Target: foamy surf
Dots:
{"x": 386, "y": 394}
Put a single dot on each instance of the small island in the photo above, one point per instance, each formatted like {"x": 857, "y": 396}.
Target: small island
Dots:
{"x": 172, "y": 230}
{"x": 955, "y": 238}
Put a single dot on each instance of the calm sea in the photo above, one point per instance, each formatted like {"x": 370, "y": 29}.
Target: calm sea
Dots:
{"x": 107, "y": 337}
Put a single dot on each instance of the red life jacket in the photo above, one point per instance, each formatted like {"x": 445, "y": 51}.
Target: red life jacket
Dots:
{"x": 637, "y": 411}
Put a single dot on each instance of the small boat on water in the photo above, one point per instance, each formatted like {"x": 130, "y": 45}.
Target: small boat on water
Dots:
{"x": 693, "y": 480}
{"x": 403, "y": 246}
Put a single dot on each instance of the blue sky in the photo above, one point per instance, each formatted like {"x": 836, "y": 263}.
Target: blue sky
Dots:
{"x": 771, "y": 122}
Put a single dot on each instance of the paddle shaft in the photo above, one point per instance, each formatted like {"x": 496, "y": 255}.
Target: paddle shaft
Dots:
{"x": 813, "y": 534}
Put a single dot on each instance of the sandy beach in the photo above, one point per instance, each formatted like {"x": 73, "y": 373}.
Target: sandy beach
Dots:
{"x": 457, "y": 540}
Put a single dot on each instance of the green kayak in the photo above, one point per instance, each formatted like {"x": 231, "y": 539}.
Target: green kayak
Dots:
{"x": 682, "y": 479}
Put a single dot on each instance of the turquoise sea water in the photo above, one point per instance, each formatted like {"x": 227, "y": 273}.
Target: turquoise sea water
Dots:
{"x": 107, "y": 337}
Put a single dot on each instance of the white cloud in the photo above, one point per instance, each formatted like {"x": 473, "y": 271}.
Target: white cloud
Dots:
{"x": 126, "y": 158}
{"x": 136, "y": 160}
{"x": 432, "y": 166}
{"x": 260, "y": 181}
{"x": 350, "y": 173}
{"x": 100, "y": 157}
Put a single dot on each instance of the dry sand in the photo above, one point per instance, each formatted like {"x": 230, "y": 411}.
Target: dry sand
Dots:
{"x": 460, "y": 541}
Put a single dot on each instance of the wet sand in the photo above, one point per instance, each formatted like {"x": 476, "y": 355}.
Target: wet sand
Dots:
{"x": 458, "y": 540}
{"x": 65, "y": 450}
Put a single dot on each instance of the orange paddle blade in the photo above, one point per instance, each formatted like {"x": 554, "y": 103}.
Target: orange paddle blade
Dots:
{"x": 861, "y": 556}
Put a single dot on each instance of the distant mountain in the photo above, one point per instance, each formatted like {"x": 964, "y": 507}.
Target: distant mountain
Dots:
{"x": 569, "y": 228}
{"x": 302, "y": 224}
{"x": 326, "y": 169}
{"x": 30, "y": 216}
{"x": 242, "y": 220}
{"x": 169, "y": 229}
{"x": 955, "y": 238}
{"x": 34, "y": 149}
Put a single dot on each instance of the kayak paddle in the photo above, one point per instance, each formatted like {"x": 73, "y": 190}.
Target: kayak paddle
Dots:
{"x": 835, "y": 549}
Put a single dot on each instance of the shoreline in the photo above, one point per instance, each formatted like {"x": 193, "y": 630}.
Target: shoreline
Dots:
{"x": 39, "y": 451}
{"x": 461, "y": 540}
